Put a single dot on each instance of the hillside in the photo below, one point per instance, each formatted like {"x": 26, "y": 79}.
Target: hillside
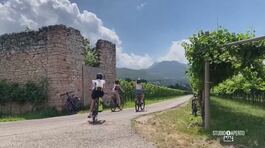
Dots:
{"x": 166, "y": 73}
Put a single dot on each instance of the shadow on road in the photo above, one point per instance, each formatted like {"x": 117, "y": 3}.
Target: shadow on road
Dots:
{"x": 99, "y": 122}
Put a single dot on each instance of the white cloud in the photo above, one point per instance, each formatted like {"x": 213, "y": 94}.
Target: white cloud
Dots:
{"x": 176, "y": 52}
{"x": 16, "y": 15}
{"x": 134, "y": 61}
{"x": 141, "y": 5}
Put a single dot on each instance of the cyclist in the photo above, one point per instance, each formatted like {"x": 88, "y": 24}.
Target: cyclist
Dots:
{"x": 117, "y": 90}
{"x": 139, "y": 90}
{"x": 97, "y": 91}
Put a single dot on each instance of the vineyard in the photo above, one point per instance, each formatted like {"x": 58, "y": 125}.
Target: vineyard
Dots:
{"x": 239, "y": 88}
{"x": 151, "y": 91}
{"x": 236, "y": 71}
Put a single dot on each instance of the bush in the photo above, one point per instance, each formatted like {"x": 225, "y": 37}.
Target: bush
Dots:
{"x": 30, "y": 92}
{"x": 5, "y": 92}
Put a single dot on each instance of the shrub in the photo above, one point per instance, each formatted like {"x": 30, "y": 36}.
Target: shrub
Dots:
{"x": 30, "y": 92}
{"x": 91, "y": 55}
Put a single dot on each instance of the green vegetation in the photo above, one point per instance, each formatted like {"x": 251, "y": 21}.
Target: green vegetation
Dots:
{"x": 234, "y": 70}
{"x": 179, "y": 128}
{"x": 240, "y": 88}
{"x": 225, "y": 61}
{"x": 91, "y": 55}
{"x": 233, "y": 115}
{"x": 130, "y": 104}
{"x": 30, "y": 92}
{"x": 173, "y": 128}
{"x": 152, "y": 92}
{"x": 38, "y": 114}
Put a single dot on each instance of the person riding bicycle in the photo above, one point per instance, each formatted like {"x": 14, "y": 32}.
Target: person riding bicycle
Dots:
{"x": 117, "y": 90}
{"x": 139, "y": 90}
{"x": 97, "y": 90}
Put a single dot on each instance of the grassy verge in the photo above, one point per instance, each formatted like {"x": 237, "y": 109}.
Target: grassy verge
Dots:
{"x": 43, "y": 113}
{"x": 178, "y": 128}
{"x": 50, "y": 112}
{"x": 234, "y": 115}
{"x": 130, "y": 104}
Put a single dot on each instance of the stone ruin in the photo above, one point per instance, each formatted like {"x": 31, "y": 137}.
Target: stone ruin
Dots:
{"x": 55, "y": 53}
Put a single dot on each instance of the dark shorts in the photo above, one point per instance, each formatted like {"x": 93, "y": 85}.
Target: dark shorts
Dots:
{"x": 96, "y": 94}
{"x": 139, "y": 92}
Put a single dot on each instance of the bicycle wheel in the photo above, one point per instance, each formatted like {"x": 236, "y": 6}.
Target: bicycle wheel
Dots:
{"x": 142, "y": 106}
{"x": 136, "y": 105}
{"x": 68, "y": 107}
{"x": 95, "y": 111}
{"x": 122, "y": 104}
{"x": 112, "y": 105}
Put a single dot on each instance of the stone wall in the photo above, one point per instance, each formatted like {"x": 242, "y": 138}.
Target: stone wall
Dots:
{"x": 23, "y": 56}
{"x": 55, "y": 53}
{"x": 65, "y": 59}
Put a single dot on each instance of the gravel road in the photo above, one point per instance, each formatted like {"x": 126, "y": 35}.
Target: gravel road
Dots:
{"x": 76, "y": 132}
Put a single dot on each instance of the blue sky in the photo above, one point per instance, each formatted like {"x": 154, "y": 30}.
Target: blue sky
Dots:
{"x": 152, "y": 28}
{"x": 145, "y": 31}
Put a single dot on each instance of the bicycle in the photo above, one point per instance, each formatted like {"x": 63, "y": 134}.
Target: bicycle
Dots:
{"x": 139, "y": 105}
{"x": 194, "y": 107}
{"x": 73, "y": 103}
{"x": 95, "y": 110}
{"x": 114, "y": 103}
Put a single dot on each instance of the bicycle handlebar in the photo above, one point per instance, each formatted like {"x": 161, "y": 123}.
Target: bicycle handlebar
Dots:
{"x": 68, "y": 92}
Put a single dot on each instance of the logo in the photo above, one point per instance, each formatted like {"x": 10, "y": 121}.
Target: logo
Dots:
{"x": 228, "y": 136}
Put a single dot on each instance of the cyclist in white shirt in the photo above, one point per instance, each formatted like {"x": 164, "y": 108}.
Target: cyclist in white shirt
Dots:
{"x": 97, "y": 90}
{"x": 139, "y": 89}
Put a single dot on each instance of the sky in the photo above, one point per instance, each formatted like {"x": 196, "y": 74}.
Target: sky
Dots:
{"x": 144, "y": 31}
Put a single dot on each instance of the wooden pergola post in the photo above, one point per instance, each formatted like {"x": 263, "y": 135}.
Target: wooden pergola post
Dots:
{"x": 206, "y": 91}
{"x": 206, "y": 95}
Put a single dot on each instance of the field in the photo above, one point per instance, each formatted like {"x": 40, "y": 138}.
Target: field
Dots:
{"x": 179, "y": 128}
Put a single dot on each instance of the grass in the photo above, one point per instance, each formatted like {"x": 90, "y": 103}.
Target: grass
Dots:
{"x": 234, "y": 115}
{"x": 179, "y": 128}
{"x": 39, "y": 114}
{"x": 130, "y": 104}
{"x": 51, "y": 112}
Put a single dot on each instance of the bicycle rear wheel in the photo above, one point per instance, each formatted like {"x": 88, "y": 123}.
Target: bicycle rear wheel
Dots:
{"x": 142, "y": 106}
{"x": 112, "y": 105}
{"x": 68, "y": 107}
{"x": 137, "y": 105}
{"x": 121, "y": 104}
{"x": 95, "y": 111}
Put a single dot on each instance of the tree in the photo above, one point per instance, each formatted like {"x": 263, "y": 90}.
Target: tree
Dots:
{"x": 91, "y": 55}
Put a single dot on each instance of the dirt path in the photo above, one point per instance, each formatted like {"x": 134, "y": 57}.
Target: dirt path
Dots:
{"x": 75, "y": 131}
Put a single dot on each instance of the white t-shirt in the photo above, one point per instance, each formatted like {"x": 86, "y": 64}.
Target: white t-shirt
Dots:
{"x": 139, "y": 86}
{"x": 98, "y": 83}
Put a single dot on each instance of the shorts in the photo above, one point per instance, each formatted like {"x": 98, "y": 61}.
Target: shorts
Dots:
{"x": 97, "y": 93}
{"x": 139, "y": 92}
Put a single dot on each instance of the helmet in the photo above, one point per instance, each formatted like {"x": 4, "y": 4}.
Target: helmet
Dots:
{"x": 117, "y": 82}
{"x": 138, "y": 80}
{"x": 99, "y": 76}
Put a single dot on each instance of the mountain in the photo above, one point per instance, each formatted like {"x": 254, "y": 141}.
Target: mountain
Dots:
{"x": 165, "y": 72}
